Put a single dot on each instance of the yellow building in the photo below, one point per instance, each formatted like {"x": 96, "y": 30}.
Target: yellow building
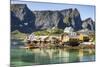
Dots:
{"x": 64, "y": 37}
{"x": 76, "y": 37}
{"x": 83, "y": 37}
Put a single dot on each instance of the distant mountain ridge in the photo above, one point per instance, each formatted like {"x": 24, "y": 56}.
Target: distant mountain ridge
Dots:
{"x": 27, "y": 21}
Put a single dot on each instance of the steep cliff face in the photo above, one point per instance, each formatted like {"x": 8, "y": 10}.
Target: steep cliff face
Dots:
{"x": 72, "y": 18}
{"x": 88, "y": 24}
{"x": 28, "y": 21}
{"x": 48, "y": 19}
{"x": 22, "y": 18}
{"x": 60, "y": 19}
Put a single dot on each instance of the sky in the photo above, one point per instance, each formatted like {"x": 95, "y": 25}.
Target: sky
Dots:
{"x": 86, "y": 11}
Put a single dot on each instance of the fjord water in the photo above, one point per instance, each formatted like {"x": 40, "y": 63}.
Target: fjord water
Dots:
{"x": 23, "y": 57}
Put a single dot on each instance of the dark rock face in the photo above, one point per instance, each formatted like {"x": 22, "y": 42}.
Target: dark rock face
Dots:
{"x": 48, "y": 19}
{"x": 22, "y": 18}
{"x": 72, "y": 18}
{"x": 89, "y": 24}
{"x": 28, "y": 21}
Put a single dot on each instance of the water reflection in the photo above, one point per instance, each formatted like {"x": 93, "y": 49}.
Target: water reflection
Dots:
{"x": 20, "y": 57}
{"x": 51, "y": 56}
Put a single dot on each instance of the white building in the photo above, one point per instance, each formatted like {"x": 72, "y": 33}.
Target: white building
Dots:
{"x": 31, "y": 37}
{"x": 68, "y": 30}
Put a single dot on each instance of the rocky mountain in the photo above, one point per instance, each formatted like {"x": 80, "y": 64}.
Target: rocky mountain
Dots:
{"x": 72, "y": 18}
{"x": 22, "y": 19}
{"x": 27, "y": 21}
{"x": 48, "y": 19}
{"x": 88, "y": 24}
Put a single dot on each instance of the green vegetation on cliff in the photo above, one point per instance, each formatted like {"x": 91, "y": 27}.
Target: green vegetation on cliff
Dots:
{"x": 49, "y": 32}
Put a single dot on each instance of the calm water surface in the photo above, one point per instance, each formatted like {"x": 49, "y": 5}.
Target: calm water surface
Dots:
{"x": 23, "y": 57}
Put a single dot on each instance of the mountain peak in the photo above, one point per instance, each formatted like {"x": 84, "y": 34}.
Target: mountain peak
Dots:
{"x": 76, "y": 12}
{"x": 75, "y": 9}
{"x": 27, "y": 21}
{"x": 89, "y": 18}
